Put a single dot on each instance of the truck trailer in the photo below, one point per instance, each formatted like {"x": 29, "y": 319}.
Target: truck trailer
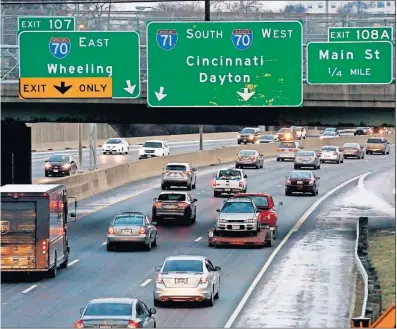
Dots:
{"x": 34, "y": 228}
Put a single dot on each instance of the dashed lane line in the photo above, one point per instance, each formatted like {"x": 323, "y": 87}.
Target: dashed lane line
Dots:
{"x": 104, "y": 243}
{"x": 29, "y": 289}
{"x": 146, "y": 283}
{"x": 198, "y": 239}
{"x": 73, "y": 262}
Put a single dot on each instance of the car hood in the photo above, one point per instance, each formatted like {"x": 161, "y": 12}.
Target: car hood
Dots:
{"x": 57, "y": 163}
{"x": 239, "y": 216}
{"x": 150, "y": 149}
{"x": 304, "y": 158}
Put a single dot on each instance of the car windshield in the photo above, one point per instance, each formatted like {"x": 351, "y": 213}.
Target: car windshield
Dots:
{"x": 247, "y": 153}
{"x": 300, "y": 175}
{"x": 129, "y": 220}
{"x": 223, "y": 174}
{"x": 108, "y": 309}
{"x": 154, "y": 145}
{"x": 290, "y": 145}
{"x": 113, "y": 141}
{"x": 361, "y": 128}
{"x": 172, "y": 197}
{"x": 330, "y": 129}
{"x": 176, "y": 168}
{"x": 350, "y": 145}
{"x": 329, "y": 133}
{"x": 238, "y": 208}
{"x": 328, "y": 148}
{"x": 247, "y": 131}
{"x": 260, "y": 201}
{"x": 267, "y": 137}
{"x": 284, "y": 130}
{"x": 183, "y": 265}
{"x": 306, "y": 154}
{"x": 59, "y": 158}
{"x": 375, "y": 140}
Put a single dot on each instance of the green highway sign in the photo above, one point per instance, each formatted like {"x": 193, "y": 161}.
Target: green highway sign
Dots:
{"x": 46, "y": 23}
{"x": 224, "y": 64}
{"x": 349, "y": 63}
{"x": 79, "y": 64}
{"x": 351, "y": 34}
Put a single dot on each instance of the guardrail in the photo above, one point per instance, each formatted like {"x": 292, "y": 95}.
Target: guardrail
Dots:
{"x": 361, "y": 269}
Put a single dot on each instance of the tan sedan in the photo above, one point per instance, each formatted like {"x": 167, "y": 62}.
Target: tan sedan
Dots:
{"x": 249, "y": 158}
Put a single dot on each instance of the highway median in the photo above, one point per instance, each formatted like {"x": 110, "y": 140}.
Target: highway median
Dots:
{"x": 87, "y": 184}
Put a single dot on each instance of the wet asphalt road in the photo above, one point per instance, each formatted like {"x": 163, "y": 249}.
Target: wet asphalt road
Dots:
{"x": 38, "y": 158}
{"x": 98, "y": 273}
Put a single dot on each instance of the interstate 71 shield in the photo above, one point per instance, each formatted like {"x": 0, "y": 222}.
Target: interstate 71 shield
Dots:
{"x": 242, "y": 38}
{"x": 167, "y": 39}
{"x": 60, "y": 47}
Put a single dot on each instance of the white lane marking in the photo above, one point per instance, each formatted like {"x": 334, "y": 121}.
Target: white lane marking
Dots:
{"x": 104, "y": 243}
{"x": 394, "y": 190}
{"x": 73, "y": 262}
{"x": 275, "y": 252}
{"x": 146, "y": 283}
{"x": 198, "y": 193}
{"x": 361, "y": 180}
{"x": 278, "y": 186}
{"x": 29, "y": 289}
{"x": 198, "y": 239}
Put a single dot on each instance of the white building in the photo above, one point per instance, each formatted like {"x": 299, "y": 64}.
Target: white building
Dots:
{"x": 373, "y": 7}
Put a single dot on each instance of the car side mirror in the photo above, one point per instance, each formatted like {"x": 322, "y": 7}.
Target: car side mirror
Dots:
{"x": 154, "y": 199}
{"x": 286, "y": 177}
{"x": 47, "y": 161}
{"x": 73, "y": 215}
{"x": 157, "y": 268}
{"x": 261, "y": 155}
{"x": 281, "y": 203}
{"x": 195, "y": 200}
{"x": 152, "y": 311}
{"x": 218, "y": 268}
{"x": 218, "y": 210}
{"x": 154, "y": 223}
{"x": 82, "y": 310}
{"x": 245, "y": 176}
{"x": 318, "y": 177}
{"x": 73, "y": 162}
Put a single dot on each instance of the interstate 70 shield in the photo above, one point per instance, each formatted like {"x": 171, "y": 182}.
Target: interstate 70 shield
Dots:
{"x": 60, "y": 47}
{"x": 242, "y": 38}
{"x": 167, "y": 39}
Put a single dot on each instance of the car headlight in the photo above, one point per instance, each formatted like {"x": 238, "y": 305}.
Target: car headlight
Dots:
{"x": 221, "y": 221}
{"x": 238, "y": 136}
{"x": 66, "y": 165}
{"x": 48, "y": 165}
{"x": 250, "y": 221}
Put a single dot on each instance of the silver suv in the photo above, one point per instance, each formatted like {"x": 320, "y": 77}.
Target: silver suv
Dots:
{"x": 179, "y": 174}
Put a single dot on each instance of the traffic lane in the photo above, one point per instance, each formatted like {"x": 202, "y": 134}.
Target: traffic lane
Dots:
{"x": 383, "y": 184}
{"x": 38, "y": 160}
{"x": 92, "y": 253}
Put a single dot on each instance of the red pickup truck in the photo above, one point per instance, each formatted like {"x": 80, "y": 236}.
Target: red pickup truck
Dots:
{"x": 265, "y": 203}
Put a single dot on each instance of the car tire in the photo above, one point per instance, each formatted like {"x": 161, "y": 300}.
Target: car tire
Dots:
{"x": 194, "y": 186}
{"x": 313, "y": 193}
{"x": 64, "y": 264}
{"x": 210, "y": 302}
{"x": 218, "y": 292}
{"x": 52, "y": 273}
{"x": 295, "y": 167}
{"x": 258, "y": 166}
{"x": 275, "y": 233}
{"x": 154, "y": 244}
{"x": 238, "y": 142}
{"x": 189, "y": 187}
{"x": 46, "y": 174}
{"x": 163, "y": 187}
{"x": 109, "y": 247}
{"x": 149, "y": 245}
{"x": 69, "y": 173}
{"x": 288, "y": 193}
{"x": 319, "y": 166}
{"x": 156, "y": 302}
{"x": 187, "y": 217}
{"x": 317, "y": 192}
{"x": 216, "y": 194}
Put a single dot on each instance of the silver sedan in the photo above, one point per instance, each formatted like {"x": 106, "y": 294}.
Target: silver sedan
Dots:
{"x": 131, "y": 227}
{"x": 187, "y": 279}
{"x": 307, "y": 159}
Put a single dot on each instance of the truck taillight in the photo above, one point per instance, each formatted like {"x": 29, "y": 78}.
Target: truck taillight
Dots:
{"x": 142, "y": 230}
{"x": 132, "y": 324}
{"x": 157, "y": 204}
{"x": 294, "y": 150}
{"x": 214, "y": 183}
{"x": 159, "y": 279}
{"x": 335, "y": 153}
{"x": 182, "y": 205}
{"x": 44, "y": 246}
{"x": 111, "y": 230}
{"x": 79, "y": 324}
{"x": 203, "y": 280}
{"x": 278, "y": 150}
{"x": 186, "y": 173}
{"x": 240, "y": 184}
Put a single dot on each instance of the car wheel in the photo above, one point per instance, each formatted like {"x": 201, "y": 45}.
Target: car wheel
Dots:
{"x": 319, "y": 166}
{"x": 187, "y": 218}
{"x": 317, "y": 192}
{"x": 163, "y": 187}
{"x": 64, "y": 264}
{"x": 149, "y": 245}
{"x": 257, "y": 166}
{"x": 238, "y": 142}
{"x": 194, "y": 186}
{"x": 210, "y": 302}
{"x": 295, "y": 166}
{"x": 46, "y": 174}
{"x": 156, "y": 302}
{"x": 219, "y": 291}
{"x": 189, "y": 187}
{"x": 52, "y": 273}
{"x": 275, "y": 233}
{"x": 109, "y": 247}
{"x": 216, "y": 194}
{"x": 69, "y": 172}
{"x": 154, "y": 244}
{"x": 288, "y": 193}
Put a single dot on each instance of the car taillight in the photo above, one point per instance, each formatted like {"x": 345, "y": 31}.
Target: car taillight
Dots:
{"x": 240, "y": 184}
{"x": 159, "y": 279}
{"x": 142, "y": 230}
{"x": 288, "y": 181}
{"x": 166, "y": 172}
{"x": 335, "y": 153}
{"x": 157, "y": 204}
{"x": 79, "y": 324}
{"x": 311, "y": 182}
{"x": 295, "y": 150}
{"x": 203, "y": 280}
{"x": 111, "y": 230}
{"x": 182, "y": 205}
{"x": 186, "y": 172}
{"x": 214, "y": 183}
{"x": 278, "y": 150}
{"x": 44, "y": 246}
{"x": 132, "y": 324}
{"x": 239, "y": 158}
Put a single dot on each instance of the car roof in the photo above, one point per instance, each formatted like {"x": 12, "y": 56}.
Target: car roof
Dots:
{"x": 235, "y": 169}
{"x": 248, "y": 151}
{"x": 155, "y": 140}
{"x": 332, "y": 145}
{"x": 186, "y": 257}
{"x": 27, "y": 188}
{"x": 239, "y": 200}
{"x": 301, "y": 171}
{"x": 130, "y": 213}
{"x": 113, "y": 300}
{"x": 174, "y": 192}
{"x": 306, "y": 151}
{"x": 178, "y": 164}
{"x": 252, "y": 194}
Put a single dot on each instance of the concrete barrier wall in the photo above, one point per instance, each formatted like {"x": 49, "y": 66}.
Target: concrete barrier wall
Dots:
{"x": 88, "y": 184}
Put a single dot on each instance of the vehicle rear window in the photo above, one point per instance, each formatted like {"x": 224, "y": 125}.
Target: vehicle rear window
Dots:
{"x": 328, "y": 148}
{"x": 183, "y": 265}
{"x": 302, "y": 175}
{"x": 238, "y": 207}
{"x": 176, "y": 167}
{"x": 229, "y": 173}
{"x": 113, "y": 141}
{"x": 290, "y": 145}
{"x": 350, "y": 145}
{"x": 306, "y": 154}
{"x": 108, "y": 309}
{"x": 154, "y": 145}
{"x": 267, "y": 137}
{"x": 172, "y": 197}
{"x": 129, "y": 220}
{"x": 246, "y": 153}
{"x": 284, "y": 130}
{"x": 248, "y": 131}
{"x": 330, "y": 129}
{"x": 59, "y": 158}
{"x": 329, "y": 133}
{"x": 260, "y": 201}
{"x": 375, "y": 140}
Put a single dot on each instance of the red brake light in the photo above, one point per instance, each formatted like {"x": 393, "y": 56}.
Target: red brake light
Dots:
{"x": 288, "y": 181}
{"x": 157, "y": 204}
{"x": 79, "y": 324}
{"x": 44, "y": 246}
{"x": 182, "y": 204}
{"x": 335, "y": 153}
{"x": 142, "y": 230}
{"x": 111, "y": 230}
{"x": 203, "y": 279}
{"x": 159, "y": 279}
{"x": 214, "y": 183}
{"x": 278, "y": 150}
{"x": 132, "y": 324}
{"x": 294, "y": 150}
{"x": 240, "y": 184}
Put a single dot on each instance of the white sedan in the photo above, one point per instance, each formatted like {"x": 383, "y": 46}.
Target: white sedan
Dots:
{"x": 331, "y": 154}
{"x": 116, "y": 145}
{"x": 329, "y": 134}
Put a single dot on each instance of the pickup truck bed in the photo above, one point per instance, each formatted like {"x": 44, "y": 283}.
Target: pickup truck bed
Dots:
{"x": 264, "y": 238}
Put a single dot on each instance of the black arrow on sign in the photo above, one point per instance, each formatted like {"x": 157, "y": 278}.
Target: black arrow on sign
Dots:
{"x": 62, "y": 88}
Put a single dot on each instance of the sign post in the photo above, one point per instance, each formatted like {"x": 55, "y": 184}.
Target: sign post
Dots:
{"x": 349, "y": 63}
{"x": 354, "y": 34}
{"x": 224, "y": 64}
{"x": 46, "y": 23}
{"x": 79, "y": 64}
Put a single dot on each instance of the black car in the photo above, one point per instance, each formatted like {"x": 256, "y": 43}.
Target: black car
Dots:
{"x": 60, "y": 164}
{"x": 301, "y": 181}
{"x": 360, "y": 131}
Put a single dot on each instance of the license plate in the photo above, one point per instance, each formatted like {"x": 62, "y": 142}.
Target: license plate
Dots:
{"x": 235, "y": 227}
{"x": 55, "y": 170}
{"x": 105, "y": 326}
{"x": 211, "y": 234}
{"x": 299, "y": 182}
{"x": 227, "y": 189}
{"x": 181, "y": 281}
{"x": 170, "y": 207}
{"x": 126, "y": 231}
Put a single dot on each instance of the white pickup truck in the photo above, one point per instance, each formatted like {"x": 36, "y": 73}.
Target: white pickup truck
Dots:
{"x": 229, "y": 181}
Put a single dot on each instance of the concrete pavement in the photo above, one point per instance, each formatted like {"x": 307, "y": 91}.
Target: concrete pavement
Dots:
{"x": 98, "y": 273}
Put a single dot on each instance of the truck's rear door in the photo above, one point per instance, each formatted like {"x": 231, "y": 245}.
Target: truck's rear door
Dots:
{"x": 18, "y": 235}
